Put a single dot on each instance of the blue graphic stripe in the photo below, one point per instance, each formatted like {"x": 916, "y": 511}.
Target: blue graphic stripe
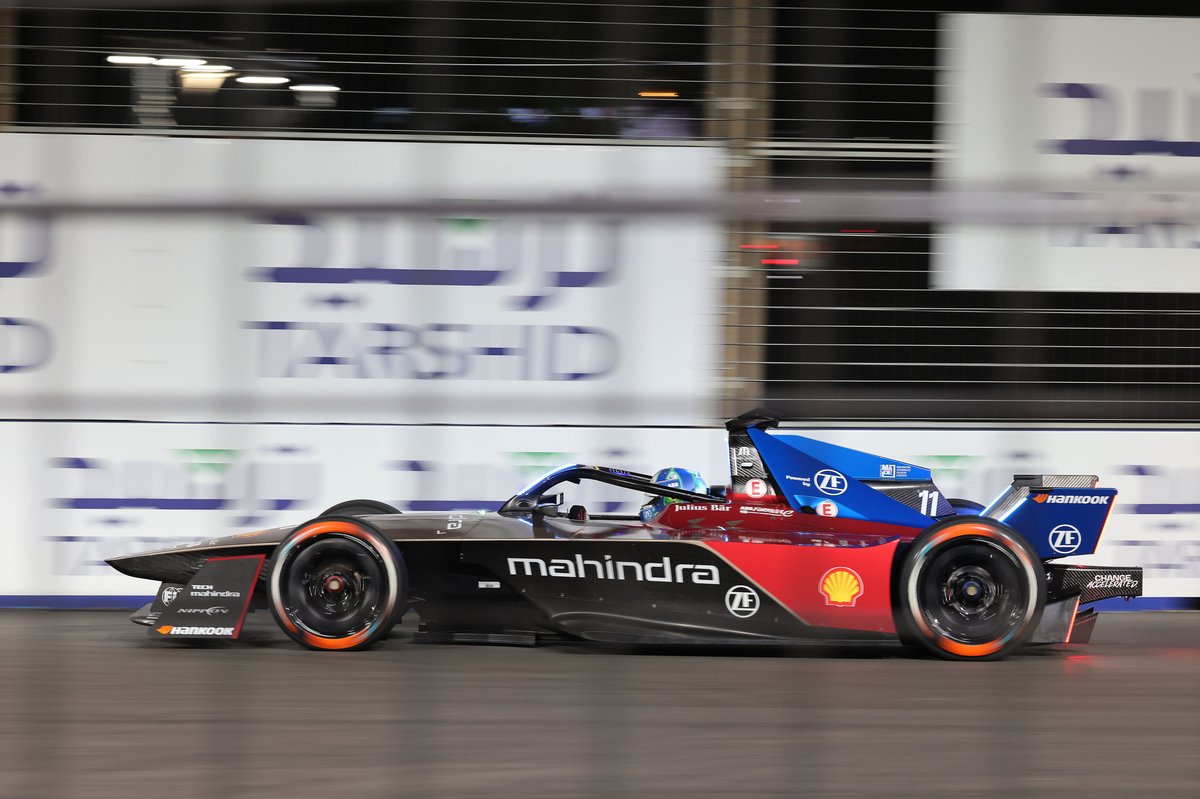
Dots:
{"x": 1145, "y": 603}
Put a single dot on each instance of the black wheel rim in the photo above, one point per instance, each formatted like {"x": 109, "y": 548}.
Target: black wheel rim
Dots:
{"x": 973, "y": 592}
{"x": 333, "y": 586}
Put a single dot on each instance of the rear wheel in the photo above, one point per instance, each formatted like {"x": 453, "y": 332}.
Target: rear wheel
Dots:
{"x": 337, "y": 583}
{"x": 360, "y": 507}
{"x": 965, "y": 507}
{"x": 970, "y": 590}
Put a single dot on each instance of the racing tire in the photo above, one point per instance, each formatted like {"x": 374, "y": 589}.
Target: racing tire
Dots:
{"x": 337, "y": 583}
{"x": 965, "y": 507}
{"x": 360, "y": 507}
{"x": 970, "y": 589}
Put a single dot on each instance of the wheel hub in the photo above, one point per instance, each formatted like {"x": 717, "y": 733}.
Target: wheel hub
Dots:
{"x": 336, "y": 587}
{"x": 970, "y": 590}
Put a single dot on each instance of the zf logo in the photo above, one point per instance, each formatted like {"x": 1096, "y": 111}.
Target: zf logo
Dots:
{"x": 1065, "y": 539}
{"x": 742, "y": 601}
{"x": 830, "y": 482}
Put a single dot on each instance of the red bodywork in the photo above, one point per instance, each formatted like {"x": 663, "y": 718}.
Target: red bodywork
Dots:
{"x": 834, "y": 572}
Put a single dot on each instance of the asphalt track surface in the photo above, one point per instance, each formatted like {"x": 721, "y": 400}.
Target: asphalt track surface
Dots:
{"x": 92, "y": 708}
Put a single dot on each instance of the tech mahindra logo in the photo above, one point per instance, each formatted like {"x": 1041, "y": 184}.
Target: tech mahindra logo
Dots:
{"x": 1071, "y": 499}
{"x": 659, "y": 571}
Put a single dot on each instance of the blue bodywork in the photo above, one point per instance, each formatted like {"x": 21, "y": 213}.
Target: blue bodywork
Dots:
{"x": 808, "y": 472}
{"x": 1057, "y": 522}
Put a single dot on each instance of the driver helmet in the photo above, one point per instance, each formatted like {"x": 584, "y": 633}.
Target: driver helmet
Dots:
{"x": 673, "y": 477}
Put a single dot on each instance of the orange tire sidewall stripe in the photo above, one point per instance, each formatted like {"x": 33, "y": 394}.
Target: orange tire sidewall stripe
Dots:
{"x": 949, "y": 534}
{"x": 320, "y": 528}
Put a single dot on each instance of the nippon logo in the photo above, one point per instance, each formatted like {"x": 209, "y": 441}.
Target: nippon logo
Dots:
{"x": 742, "y": 601}
{"x": 1065, "y": 539}
{"x": 1071, "y": 499}
{"x": 830, "y": 482}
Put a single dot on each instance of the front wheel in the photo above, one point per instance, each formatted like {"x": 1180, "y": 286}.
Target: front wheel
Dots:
{"x": 337, "y": 583}
{"x": 360, "y": 507}
{"x": 970, "y": 590}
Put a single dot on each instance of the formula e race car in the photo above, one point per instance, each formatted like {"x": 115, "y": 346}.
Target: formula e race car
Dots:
{"x": 808, "y": 541}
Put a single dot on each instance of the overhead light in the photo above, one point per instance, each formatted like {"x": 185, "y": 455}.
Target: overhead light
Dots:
{"x": 130, "y": 59}
{"x": 263, "y": 79}
{"x": 314, "y": 87}
{"x": 658, "y": 94}
{"x": 179, "y": 62}
{"x": 208, "y": 68}
{"x": 203, "y": 81}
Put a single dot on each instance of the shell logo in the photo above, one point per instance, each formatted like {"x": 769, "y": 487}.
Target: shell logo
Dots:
{"x": 841, "y": 586}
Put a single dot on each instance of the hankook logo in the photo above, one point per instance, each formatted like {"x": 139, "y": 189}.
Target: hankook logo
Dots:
{"x": 579, "y": 567}
{"x": 170, "y": 630}
{"x": 742, "y": 601}
{"x": 1071, "y": 499}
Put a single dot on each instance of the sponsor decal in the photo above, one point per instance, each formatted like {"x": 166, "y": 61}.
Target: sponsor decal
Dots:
{"x": 436, "y": 351}
{"x": 579, "y": 567}
{"x": 742, "y": 601}
{"x": 547, "y": 258}
{"x": 206, "y": 611}
{"x": 1101, "y": 581}
{"x": 827, "y": 508}
{"x": 756, "y": 489}
{"x": 489, "y": 584}
{"x": 25, "y": 345}
{"x": 745, "y": 458}
{"x": 249, "y": 485}
{"x": 1071, "y": 499}
{"x": 887, "y": 470}
{"x": 168, "y": 595}
{"x": 804, "y": 481}
{"x": 720, "y": 508}
{"x": 207, "y": 590}
{"x": 167, "y": 629}
{"x": 1065, "y": 539}
{"x": 841, "y": 587}
{"x": 830, "y": 482}
{"x": 762, "y": 511}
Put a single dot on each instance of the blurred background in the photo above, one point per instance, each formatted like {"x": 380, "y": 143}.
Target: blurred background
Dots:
{"x": 171, "y": 375}
{"x": 259, "y": 257}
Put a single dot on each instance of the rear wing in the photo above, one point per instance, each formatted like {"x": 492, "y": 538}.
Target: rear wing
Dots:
{"x": 1059, "y": 514}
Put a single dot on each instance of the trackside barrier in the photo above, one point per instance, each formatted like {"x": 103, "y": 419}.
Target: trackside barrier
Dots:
{"x": 83, "y": 491}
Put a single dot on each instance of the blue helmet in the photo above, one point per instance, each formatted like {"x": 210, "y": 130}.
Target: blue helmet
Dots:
{"x": 673, "y": 477}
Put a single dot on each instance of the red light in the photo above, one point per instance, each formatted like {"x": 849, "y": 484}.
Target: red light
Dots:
{"x": 1071, "y": 626}
{"x": 781, "y": 261}
{"x": 758, "y": 246}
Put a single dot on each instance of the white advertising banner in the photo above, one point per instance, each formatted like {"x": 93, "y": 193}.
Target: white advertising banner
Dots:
{"x": 81, "y": 492}
{"x": 1108, "y": 102}
{"x": 354, "y": 318}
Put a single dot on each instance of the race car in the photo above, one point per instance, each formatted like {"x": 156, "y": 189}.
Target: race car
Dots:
{"x": 808, "y": 541}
